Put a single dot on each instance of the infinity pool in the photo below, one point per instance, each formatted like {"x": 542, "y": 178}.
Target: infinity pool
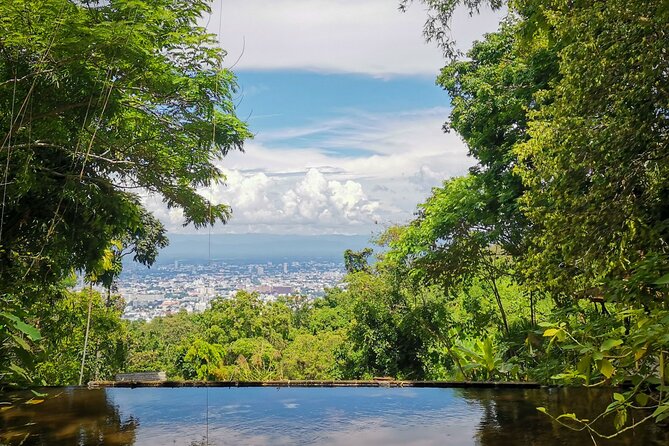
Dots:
{"x": 301, "y": 416}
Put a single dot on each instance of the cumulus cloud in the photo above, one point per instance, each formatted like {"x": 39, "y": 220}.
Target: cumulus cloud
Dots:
{"x": 368, "y": 37}
{"x": 314, "y": 199}
{"x": 310, "y": 202}
{"x": 293, "y": 189}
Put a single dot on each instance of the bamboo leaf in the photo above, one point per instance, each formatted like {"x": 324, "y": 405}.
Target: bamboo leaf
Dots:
{"x": 662, "y": 280}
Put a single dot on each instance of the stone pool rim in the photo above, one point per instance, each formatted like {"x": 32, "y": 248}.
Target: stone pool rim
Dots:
{"x": 321, "y": 383}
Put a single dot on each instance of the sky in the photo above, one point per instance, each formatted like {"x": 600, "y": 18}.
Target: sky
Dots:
{"x": 341, "y": 98}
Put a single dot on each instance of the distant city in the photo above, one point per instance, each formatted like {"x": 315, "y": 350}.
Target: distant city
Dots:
{"x": 196, "y": 269}
{"x": 167, "y": 289}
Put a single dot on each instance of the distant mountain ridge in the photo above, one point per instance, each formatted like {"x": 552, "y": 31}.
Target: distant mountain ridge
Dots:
{"x": 252, "y": 248}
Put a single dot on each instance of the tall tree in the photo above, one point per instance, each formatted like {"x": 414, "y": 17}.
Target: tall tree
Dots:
{"x": 597, "y": 159}
{"x": 492, "y": 93}
{"x": 97, "y": 99}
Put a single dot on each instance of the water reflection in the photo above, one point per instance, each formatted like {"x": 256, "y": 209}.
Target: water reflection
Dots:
{"x": 510, "y": 417}
{"x": 323, "y": 416}
{"x": 66, "y": 417}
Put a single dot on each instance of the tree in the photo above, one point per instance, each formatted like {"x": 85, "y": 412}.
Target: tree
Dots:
{"x": 356, "y": 261}
{"x": 491, "y": 94}
{"x": 591, "y": 156}
{"x": 97, "y": 99}
{"x": 64, "y": 327}
{"x": 100, "y": 100}
{"x": 142, "y": 243}
{"x": 439, "y": 16}
{"x": 448, "y": 244}
{"x": 596, "y": 162}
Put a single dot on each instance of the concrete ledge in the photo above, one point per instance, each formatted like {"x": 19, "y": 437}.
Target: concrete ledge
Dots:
{"x": 318, "y": 383}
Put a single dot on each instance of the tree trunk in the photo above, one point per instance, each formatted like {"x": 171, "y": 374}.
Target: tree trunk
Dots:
{"x": 498, "y": 298}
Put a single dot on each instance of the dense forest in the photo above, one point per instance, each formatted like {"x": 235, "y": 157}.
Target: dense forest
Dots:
{"x": 547, "y": 262}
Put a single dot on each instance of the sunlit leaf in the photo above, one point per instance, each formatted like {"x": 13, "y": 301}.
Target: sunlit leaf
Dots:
{"x": 551, "y": 332}
{"x": 30, "y": 331}
{"x": 606, "y": 368}
{"x": 34, "y": 401}
{"x": 609, "y": 344}
{"x": 569, "y": 416}
{"x": 619, "y": 397}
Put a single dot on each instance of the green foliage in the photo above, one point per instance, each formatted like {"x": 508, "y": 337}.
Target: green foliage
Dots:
{"x": 564, "y": 110}
{"x": 98, "y": 99}
{"x": 17, "y": 347}
{"x": 595, "y": 164}
{"x": 63, "y": 327}
{"x": 356, "y": 261}
{"x": 204, "y": 359}
{"x": 317, "y": 356}
{"x": 245, "y": 338}
{"x": 146, "y": 106}
{"x": 548, "y": 261}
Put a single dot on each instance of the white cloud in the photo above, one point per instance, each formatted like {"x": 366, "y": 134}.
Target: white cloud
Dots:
{"x": 353, "y": 36}
{"x": 263, "y": 203}
{"x": 281, "y": 186}
{"x": 311, "y": 190}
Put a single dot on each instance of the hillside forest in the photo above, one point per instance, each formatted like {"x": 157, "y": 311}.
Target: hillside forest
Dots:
{"x": 548, "y": 261}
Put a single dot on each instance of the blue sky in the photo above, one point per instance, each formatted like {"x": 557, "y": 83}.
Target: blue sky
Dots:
{"x": 293, "y": 98}
{"x": 280, "y": 100}
{"x": 341, "y": 97}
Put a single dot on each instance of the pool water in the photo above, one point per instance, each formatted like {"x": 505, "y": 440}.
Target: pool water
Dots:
{"x": 308, "y": 416}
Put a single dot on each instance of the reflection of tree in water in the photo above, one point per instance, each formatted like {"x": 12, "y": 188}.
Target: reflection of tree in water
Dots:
{"x": 510, "y": 417}
{"x": 77, "y": 416}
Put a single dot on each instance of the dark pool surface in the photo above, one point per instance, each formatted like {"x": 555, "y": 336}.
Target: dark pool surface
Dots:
{"x": 298, "y": 416}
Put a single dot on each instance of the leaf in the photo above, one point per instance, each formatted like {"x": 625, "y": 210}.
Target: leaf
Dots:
{"x": 542, "y": 410}
{"x": 611, "y": 407}
{"x": 30, "y": 331}
{"x": 583, "y": 365}
{"x": 21, "y": 342}
{"x": 661, "y": 409}
{"x": 641, "y": 398}
{"x": 551, "y": 332}
{"x": 609, "y": 344}
{"x": 606, "y": 368}
{"x": 662, "y": 280}
{"x": 18, "y": 370}
{"x": 621, "y": 419}
{"x": 569, "y": 416}
{"x": 619, "y": 397}
{"x": 33, "y": 401}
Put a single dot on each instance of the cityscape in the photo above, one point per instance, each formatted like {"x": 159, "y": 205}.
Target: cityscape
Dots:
{"x": 190, "y": 286}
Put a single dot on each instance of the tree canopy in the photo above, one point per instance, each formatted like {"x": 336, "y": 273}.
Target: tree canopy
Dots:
{"x": 100, "y": 100}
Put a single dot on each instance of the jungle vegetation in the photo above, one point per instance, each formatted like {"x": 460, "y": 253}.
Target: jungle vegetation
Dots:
{"x": 548, "y": 261}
